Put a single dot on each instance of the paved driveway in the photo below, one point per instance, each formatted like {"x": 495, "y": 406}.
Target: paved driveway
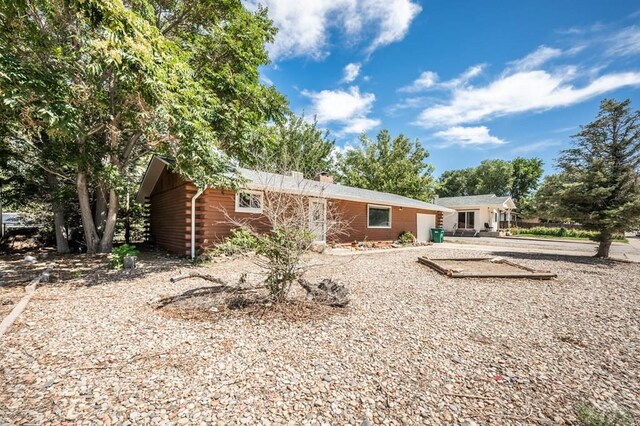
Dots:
{"x": 621, "y": 251}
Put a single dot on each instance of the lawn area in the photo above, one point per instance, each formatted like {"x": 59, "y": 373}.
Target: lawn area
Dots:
{"x": 413, "y": 347}
{"x": 553, "y": 237}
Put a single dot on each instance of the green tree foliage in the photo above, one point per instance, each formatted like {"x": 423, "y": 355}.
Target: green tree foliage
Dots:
{"x": 599, "y": 181}
{"x": 517, "y": 178}
{"x": 493, "y": 177}
{"x": 91, "y": 88}
{"x": 396, "y": 166}
{"x": 526, "y": 177}
{"x": 454, "y": 183}
{"x": 295, "y": 144}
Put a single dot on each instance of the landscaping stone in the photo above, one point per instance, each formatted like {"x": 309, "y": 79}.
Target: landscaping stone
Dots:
{"x": 412, "y": 347}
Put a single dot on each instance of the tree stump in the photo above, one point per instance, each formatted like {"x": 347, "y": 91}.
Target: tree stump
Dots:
{"x": 130, "y": 262}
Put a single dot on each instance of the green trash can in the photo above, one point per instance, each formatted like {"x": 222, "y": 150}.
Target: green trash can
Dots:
{"x": 437, "y": 235}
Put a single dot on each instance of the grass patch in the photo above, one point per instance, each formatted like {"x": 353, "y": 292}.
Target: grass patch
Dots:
{"x": 588, "y": 415}
{"x": 562, "y": 233}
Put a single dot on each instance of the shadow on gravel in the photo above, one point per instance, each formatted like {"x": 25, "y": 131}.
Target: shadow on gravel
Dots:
{"x": 583, "y": 260}
{"x": 80, "y": 269}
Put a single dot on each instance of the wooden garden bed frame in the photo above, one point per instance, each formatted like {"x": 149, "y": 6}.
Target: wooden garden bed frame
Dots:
{"x": 523, "y": 271}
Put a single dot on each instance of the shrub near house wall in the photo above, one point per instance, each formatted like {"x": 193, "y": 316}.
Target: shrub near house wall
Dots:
{"x": 561, "y": 233}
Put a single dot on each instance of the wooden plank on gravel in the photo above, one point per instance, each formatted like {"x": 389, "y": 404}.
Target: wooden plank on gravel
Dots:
{"x": 483, "y": 268}
{"x": 30, "y": 290}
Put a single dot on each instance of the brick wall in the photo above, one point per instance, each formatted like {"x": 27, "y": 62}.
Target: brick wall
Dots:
{"x": 170, "y": 217}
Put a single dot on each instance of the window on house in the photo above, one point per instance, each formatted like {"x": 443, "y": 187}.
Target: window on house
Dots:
{"x": 378, "y": 217}
{"x": 249, "y": 202}
{"x": 466, "y": 220}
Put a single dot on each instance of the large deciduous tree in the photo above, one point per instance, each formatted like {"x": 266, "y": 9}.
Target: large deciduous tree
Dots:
{"x": 526, "y": 176}
{"x": 294, "y": 144}
{"x": 89, "y": 88}
{"x": 397, "y": 166}
{"x": 599, "y": 180}
{"x": 517, "y": 178}
{"x": 454, "y": 183}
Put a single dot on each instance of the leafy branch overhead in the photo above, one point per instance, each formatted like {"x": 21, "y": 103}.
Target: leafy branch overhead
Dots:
{"x": 90, "y": 89}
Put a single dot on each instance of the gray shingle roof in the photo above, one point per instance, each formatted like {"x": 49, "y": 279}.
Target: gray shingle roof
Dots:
{"x": 296, "y": 185}
{"x": 472, "y": 200}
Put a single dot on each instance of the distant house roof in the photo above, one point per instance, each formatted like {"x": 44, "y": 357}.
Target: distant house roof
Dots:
{"x": 488, "y": 200}
{"x": 295, "y": 184}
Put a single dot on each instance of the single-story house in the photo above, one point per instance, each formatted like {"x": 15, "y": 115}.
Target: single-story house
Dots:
{"x": 175, "y": 204}
{"x": 477, "y": 212}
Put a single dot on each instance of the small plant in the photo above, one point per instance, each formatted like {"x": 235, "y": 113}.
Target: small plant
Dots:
{"x": 406, "y": 238}
{"x": 282, "y": 249}
{"x": 588, "y": 415}
{"x": 240, "y": 241}
{"x": 119, "y": 253}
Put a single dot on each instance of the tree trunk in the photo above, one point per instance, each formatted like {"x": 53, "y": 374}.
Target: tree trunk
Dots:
{"x": 106, "y": 242}
{"x": 62, "y": 238}
{"x": 90, "y": 234}
{"x": 605, "y": 244}
{"x": 127, "y": 221}
{"x": 100, "y": 216}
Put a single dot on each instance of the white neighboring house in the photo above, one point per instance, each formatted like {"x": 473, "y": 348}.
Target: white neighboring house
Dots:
{"x": 477, "y": 212}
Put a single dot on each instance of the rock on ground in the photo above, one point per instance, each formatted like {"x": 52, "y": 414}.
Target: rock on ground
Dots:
{"x": 413, "y": 347}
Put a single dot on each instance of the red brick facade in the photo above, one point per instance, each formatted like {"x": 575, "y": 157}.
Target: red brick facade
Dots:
{"x": 170, "y": 217}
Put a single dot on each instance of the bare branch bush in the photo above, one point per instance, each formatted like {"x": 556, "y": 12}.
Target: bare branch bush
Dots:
{"x": 297, "y": 217}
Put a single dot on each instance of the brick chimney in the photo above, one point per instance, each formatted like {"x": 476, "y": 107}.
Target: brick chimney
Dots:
{"x": 324, "y": 177}
{"x": 298, "y": 176}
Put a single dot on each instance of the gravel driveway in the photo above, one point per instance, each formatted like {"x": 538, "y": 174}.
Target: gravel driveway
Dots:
{"x": 413, "y": 348}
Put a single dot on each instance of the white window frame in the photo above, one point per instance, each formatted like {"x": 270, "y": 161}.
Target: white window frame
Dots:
{"x": 376, "y": 206}
{"x": 249, "y": 209}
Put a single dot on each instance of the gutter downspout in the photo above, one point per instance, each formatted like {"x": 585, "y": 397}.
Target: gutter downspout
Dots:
{"x": 193, "y": 223}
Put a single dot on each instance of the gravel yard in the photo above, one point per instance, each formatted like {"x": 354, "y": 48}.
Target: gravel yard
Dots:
{"x": 414, "y": 347}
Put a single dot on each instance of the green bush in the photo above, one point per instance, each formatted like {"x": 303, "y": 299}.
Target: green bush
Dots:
{"x": 589, "y": 415}
{"x": 283, "y": 249}
{"x": 119, "y": 253}
{"x": 240, "y": 241}
{"x": 561, "y": 232}
{"x": 406, "y": 238}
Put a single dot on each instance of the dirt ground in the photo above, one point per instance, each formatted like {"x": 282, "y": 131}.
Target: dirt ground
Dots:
{"x": 413, "y": 347}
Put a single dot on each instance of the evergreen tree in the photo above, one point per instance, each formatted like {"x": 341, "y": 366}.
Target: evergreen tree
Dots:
{"x": 599, "y": 181}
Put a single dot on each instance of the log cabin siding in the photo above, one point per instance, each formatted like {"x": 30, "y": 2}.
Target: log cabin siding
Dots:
{"x": 217, "y": 208}
{"x": 170, "y": 214}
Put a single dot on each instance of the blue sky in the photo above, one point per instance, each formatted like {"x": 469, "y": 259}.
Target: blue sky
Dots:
{"x": 471, "y": 80}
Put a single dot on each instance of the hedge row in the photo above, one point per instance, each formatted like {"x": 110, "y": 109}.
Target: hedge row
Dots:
{"x": 561, "y": 232}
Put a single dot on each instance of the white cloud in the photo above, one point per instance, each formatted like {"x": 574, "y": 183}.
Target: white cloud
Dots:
{"x": 468, "y": 136}
{"x": 535, "y": 59}
{"x": 305, "y": 25}
{"x": 348, "y": 108}
{"x": 464, "y": 78}
{"x": 351, "y": 71}
{"x": 625, "y": 43}
{"x": 429, "y": 80}
{"x": 521, "y": 92}
{"x": 426, "y": 80}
